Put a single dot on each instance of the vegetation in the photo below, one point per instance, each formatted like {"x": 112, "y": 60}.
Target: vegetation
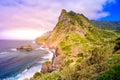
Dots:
{"x": 113, "y": 73}
{"x": 117, "y": 46}
{"x": 87, "y": 51}
{"x": 87, "y": 68}
{"x": 111, "y": 25}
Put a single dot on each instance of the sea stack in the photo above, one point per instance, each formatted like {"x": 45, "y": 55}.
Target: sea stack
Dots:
{"x": 25, "y": 48}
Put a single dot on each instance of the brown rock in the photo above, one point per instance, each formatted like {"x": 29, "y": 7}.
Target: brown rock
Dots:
{"x": 25, "y": 47}
{"x": 58, "y": 62}
{"x": 117, "y": 52}
{"x": 46, "y": 67}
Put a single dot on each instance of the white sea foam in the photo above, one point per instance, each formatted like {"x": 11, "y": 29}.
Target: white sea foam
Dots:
{"x": 40, "y": 48}
{"x": 50, "y": 55}
{"x": 30, "y": 72}
{"x": 13, "y": 49}
{"x": 3, "y": 52}
{"x": 12, "y": 78}
{"x": 33, "y": 42}
{"x": 27, "y": 73}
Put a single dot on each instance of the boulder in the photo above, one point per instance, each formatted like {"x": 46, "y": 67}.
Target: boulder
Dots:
{"x": 47, "y": 67}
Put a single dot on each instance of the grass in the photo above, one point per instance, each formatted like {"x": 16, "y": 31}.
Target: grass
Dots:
{"x": 113, "y": 73}
{"x": 98, "y": 63}
{"x": 101, "y": 56}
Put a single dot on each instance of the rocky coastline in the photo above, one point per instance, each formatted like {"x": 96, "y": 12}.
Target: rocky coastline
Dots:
{"x": 48, "y": 66}
{"x": 55, "y": 63}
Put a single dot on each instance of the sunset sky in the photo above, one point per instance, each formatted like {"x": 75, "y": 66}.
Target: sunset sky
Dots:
{"x": 28, "y": 19}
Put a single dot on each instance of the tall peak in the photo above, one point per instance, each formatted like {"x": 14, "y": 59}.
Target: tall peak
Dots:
{"x": 63, "y": 15}
{"x": 63, "y": 11}
{"x": 68, "y": 19}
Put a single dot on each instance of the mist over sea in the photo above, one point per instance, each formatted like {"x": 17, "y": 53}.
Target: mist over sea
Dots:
{"x": 6, "y": 45}
{"x": 17, "y": 65}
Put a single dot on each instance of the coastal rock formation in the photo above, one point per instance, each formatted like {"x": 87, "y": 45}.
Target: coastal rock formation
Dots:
{"x": 47, "y": 67}
{"x": 25, "y": 48}
{"x": 53, "y": 65}
{"x": 73, "y": 39}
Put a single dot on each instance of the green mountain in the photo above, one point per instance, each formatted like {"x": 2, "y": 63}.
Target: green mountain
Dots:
{"x": 111, "y": 25}
{"x": 83, "y": 51}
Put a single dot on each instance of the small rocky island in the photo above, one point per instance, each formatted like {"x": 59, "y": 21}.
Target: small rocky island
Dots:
{"x": 25, "y": 48}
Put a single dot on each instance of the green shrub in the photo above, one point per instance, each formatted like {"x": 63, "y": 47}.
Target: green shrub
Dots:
{"x": 47, "y": 76}
{"x": 100, "y": 54}
{"x": 117, "y": 44}
{"x": 79, "y": 60}
{"x": 37, "y": 74}
{"x": 67, "y": 73}
{"x": 80, "y": 55}
{"x": 112, "y": 74}
{"x": 68, "y": 62}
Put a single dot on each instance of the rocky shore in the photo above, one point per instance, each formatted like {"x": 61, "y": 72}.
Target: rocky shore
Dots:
{"x": 53, "y": 65}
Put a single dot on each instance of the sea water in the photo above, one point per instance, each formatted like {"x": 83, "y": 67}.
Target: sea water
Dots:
{"x": 18, "y": 65}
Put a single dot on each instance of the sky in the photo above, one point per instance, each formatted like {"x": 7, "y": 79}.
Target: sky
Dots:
{"x": 28, "y": 19}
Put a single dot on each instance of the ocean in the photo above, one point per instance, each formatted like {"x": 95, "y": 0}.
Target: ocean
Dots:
{"x": 18, "y": 65}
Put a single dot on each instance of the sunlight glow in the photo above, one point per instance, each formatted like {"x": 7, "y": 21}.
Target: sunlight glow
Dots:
{"x": 23, "y": 34}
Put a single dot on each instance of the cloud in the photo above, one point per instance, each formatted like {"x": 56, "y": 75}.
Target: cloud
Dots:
{"x": 41, "y": 15}
{"x": 94, "y": 7}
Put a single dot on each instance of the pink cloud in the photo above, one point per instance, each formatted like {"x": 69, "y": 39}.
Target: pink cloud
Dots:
{"x": 41, "y": 16}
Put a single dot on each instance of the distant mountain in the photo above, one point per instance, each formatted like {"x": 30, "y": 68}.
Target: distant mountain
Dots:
{"x": 111, "y": 25}
{"x": 83, "y": 51}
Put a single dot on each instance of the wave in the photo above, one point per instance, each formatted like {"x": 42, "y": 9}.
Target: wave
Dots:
{"x": 12, "y": 78}
{"x": 49, "y": 56}
{"x": 13, "y": 49}
{"x": 40, "y": 48}
{"x": 3, "y": 52}
{"x": 30, "y": 72}
{"x": 33, "y": 42}
{"x": 36, "y": 67}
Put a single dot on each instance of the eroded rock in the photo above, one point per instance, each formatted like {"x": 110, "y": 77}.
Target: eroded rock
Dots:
{"x": 25, "y": 48}
{"x": 47, "y": 67}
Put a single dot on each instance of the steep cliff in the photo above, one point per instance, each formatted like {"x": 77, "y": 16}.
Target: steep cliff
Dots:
{"x": 74, "y": 34}
{"x": 80, "y": 45}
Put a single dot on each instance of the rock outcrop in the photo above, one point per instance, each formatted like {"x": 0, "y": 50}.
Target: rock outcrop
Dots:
{"x": 47, "y": 67}
{"x": 25, "y": 48}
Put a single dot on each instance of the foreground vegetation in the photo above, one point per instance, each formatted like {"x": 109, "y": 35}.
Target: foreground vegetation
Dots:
{"x": 101, "y": 65}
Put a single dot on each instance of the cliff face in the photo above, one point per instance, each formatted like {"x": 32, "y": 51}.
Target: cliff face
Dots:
{"x": 71, "y": 29}
{"x": 68, "y": 24}
{"x": 83, "y": 52}
{"x": 73, "y": 35}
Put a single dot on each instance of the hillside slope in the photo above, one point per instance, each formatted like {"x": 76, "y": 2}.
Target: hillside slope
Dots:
{"x": 111, "y": 25}
{"x": 81, "y": 48}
